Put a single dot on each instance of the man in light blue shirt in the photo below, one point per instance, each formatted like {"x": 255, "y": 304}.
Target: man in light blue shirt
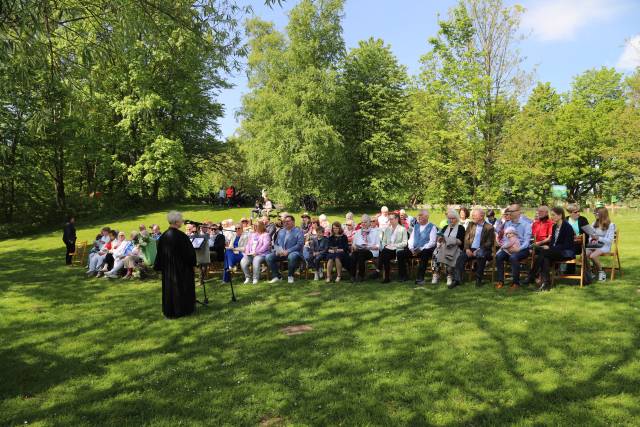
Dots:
{"x": 288, "y": 247}
{"x": 523, "y": 229}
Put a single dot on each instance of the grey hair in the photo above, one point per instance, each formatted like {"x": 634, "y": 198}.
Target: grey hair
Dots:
{"x": 423, "y": 212}
{"x": 365, "y": 218}
{"x": 174, "y": 217}
{"x": 454, "y": 213}
{"x": 479, "y": 210}
{"x": 573, "y": 207}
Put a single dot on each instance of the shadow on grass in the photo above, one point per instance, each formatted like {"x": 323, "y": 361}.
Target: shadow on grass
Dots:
{"x": 99, "y": 352}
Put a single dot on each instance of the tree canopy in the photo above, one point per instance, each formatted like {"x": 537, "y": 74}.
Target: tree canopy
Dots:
{"x": 109, "y": 102}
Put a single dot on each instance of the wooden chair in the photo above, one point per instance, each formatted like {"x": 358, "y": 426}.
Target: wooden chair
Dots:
{"x": 615, "y": 257}
{"x": 489, "y": 267}
{"x": 79, "y": 255}
{"x": 580, "y": 263}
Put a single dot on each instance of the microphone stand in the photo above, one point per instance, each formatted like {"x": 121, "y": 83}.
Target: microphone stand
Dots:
{"x": 203, "y": 269}
{"x": 228, "y": 274}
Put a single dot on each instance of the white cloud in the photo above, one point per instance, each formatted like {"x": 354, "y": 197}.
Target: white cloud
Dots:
{"x": 555, "y": 20}
{"x": 630, "y": 58}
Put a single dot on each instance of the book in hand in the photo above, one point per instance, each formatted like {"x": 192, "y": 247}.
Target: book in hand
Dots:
{"x": 588, "y": 229}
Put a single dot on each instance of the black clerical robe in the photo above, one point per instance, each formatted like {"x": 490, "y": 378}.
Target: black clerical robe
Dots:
{"x": 176, "y": 259}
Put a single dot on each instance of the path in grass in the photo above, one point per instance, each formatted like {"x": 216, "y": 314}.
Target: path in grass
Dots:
{"x": 87, "y": 352}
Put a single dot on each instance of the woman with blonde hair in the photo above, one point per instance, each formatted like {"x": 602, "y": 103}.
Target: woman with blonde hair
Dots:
{"x": 600, "y": 242}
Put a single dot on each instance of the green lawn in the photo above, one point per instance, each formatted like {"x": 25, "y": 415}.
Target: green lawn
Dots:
{"x": 78, "y": 351}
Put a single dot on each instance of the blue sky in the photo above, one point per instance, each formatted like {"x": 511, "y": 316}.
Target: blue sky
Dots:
{"x": 566, "y": 37}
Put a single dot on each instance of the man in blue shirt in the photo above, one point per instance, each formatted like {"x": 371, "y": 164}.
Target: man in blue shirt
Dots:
{"x": 523, "y": 229}
{"x": 479, "y": 239}
{"x": 288, "y": 247}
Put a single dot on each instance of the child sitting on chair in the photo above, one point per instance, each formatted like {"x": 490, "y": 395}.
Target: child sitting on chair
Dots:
{"x": 511, "y": 243}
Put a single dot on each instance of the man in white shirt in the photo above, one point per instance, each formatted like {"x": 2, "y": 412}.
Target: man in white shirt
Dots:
{"x": 422, "y": 243}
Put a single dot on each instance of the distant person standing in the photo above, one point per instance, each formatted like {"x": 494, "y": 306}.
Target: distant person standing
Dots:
{"x": 221, "y": 196}
{"x": 231, "y": 193}
{"x": 176, "y": 258}
{"x": 69, "y": 238}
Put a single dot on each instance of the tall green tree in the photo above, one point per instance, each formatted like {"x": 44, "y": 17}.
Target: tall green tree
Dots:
{"x": 373, "y": 103}
{"x": 88, "y": 87}
{"x": 287, "y": 131}
{"x": 576, "y": 141}
{"x": 473, "y": 71}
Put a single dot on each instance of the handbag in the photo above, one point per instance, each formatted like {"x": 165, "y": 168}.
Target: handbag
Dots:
{"x": 594, "y": 245}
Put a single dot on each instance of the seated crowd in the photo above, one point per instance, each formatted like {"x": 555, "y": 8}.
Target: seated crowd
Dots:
{"x": 464, "y": 238}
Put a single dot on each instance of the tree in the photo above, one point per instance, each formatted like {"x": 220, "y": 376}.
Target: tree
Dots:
{"x": 473, "y": 72}
{"x": 89, "y": 86}
{"x": 575, "y": 141}
{"x": 287, "y": 130}
{"x": 374, "y": 102}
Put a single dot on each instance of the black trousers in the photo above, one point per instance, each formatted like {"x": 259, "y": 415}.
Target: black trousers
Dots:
{"x": 109, "y": 261}
{"x": 481, "y": 263}
{"x": 386, "y": 255}
{"x": 358, "y": 259}
{"x": 544, "y": 261}
{"x": 71, "y": 248}
{"x": 424, "y": 257}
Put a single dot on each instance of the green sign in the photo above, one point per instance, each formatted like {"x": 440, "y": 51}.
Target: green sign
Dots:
{"x": 559, "y": 191}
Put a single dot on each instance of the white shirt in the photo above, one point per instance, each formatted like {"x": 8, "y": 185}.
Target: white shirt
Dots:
{"x": 373, "y": 239}
{"x": 433, "y": 235}
{"x": 383, "y": 221}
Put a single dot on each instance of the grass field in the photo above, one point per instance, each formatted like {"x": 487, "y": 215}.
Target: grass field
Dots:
{"x": 78, "y": 351}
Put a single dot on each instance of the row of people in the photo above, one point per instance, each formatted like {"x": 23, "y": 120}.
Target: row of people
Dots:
{"x": 450, "y": 247}
{"x": 112, "y": 252}
{"x": 463, "y": 237}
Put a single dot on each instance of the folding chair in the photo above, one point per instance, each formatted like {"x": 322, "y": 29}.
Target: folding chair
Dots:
{"x": 79, "y": 254}
{"x": 615, "y": 257}
{"x": 579, "y": 261}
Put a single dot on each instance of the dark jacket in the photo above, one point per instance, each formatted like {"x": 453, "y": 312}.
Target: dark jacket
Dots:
{"x": 564, "y": 243}
{"x": 582, "y": 221}
{"x": 339, "y": 242}
{"x": 69, "y": 234}
{"x": 487, "y": 238}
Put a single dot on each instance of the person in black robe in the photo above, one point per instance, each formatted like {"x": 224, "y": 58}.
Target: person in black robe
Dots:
{"x": 176, "y": 259}
{"x": 69, "y": 238}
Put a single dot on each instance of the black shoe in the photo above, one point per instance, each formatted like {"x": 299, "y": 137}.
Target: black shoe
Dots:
{"x": 543, "y": 287}
{"x": 374, "y": 275}
{"x": 588, "y": 277}
{"x": 478, "y": 283}
{"x": 386, "y": 281}
{"x": 454, "y": 284}
{"x": 528, "y": 280}
{"x": 420, "y": 282}
{"x": 403, "y": 279}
